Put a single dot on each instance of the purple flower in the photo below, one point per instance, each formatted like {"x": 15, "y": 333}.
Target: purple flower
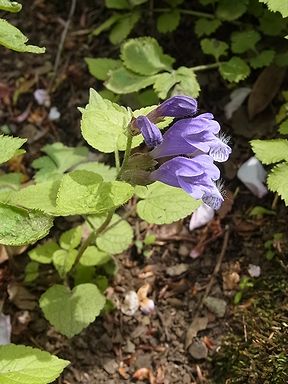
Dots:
{"x": 176, "y": 106}
{"x": 151, "y": 133}
{"x": 195, "y": 176}
{"x": 193, "y": 136}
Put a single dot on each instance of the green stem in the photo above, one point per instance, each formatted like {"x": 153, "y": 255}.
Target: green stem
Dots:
{"x": 126, "y": 155}
{"x": 117, "y": 159}
{"x": 187, "y": 12}
{"x": 205, "y": 67}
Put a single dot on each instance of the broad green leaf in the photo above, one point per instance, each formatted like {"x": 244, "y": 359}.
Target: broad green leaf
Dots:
{"x": 117, "y": 4}
{"x": 10, "y": 181}
{"x": 63, "y": 261}
{"x": 71, "y": 311}
{"x": 20, "y": 226}
{"x": 272, "y": 24}
{"x": 277, "y": 6}
{"x": 103, "y": 123}
{"x": 123, "y": 81}
{"x": 206, "y": 27}
{"x": 163, "y": 204}
{"x": 137, "y": 2}
{"x": 72, "y": 238}
{"x": 147, "y": 97}
{"x": 206, "y": 2}
{"x": 114, "y": 240}
{"x": 281, "y": 59}
{"x": 60, "y": 158}
{"x": 243, "y": 41}
{"x": 83, "y": 275}
{"x": 107, "y": 173}
{"x": 270, "y": 151}
{"x": 107, "y": 24}
{"x": 9, "y": 145}
{"x": 31, "y": 272}
{"x": 26, "y": 365}
{"x": 168, "y": 21}
{"x": 43, "y": 253}
{"x": 187, "y": 82}
{"x": 278, "y": 181}
{"x": 100, "y": 67}
{"x": 10, "y": 6}
{"x": 263, "y": 59}
{"x": 145, "y": 56}
{"x": 123, "y": 27}
{"x": 84, "y": 192}
{"x": 283, "y": 128}
{"x": 214, "y": 47}
{"x": 12, "y": 38}
{"x": 231, "y": 10}
{"x": 234, "y": 70}
{"x": 93, "y": 256}
{"x": 163, "y": 83}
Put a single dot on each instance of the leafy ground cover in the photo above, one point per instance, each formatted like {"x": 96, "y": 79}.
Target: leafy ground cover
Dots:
{"x": 200, "y": 331}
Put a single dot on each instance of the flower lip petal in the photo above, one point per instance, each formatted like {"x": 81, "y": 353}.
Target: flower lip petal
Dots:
{"x": 151, "y": 133}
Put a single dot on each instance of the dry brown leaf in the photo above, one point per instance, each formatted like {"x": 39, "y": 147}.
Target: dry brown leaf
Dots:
{"x": 21, "y": 297}
{"x": 265, "y": 89}
{"x": 198, "y": 324}
{"x": 3, "y": 254}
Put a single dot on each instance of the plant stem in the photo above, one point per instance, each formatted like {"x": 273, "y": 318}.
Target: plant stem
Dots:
{"x": 117, "y": 159}
{"x": 126, "y": 155}
{"x": 187, "y": 12}
{"x": 205, "y": 67}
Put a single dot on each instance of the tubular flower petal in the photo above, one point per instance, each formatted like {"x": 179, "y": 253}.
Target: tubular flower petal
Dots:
{"x": 176, "y": 106}
{"x": 189, "y": 135}
{"x": 195, "y": 176}
{"x": 151, "y": 133}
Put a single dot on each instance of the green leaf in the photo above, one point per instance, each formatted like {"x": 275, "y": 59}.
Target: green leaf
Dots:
{"x": 117, "y": 4}
{"x": 214, "y": 47}
{"x": 168, "y": 21}
{"x": 19, "y": 226}
{"x": 26, "y": 365}
{"x": 263, "y": 59}
{"x": 93, "y": 256}
{"x": 8, "y": 146}
{"x": 10, "y": 6}
{"x": 10, "y": 181}
{"x": 163, "y": 204}
{"x": 63, "y": 261}
{"x": 231, "y": 10}
{"x": 31, "y": 272}
{"x": 60, "y": 158}
{"x": 243, "y": 41}
{"x": 283, "y": 128}
{"x": 72, "y": 238}
{"x": 83, "y": 192}
{"x": 145, "y": 56}
{"x": 107, "y": 24}
{"x": 123, "y": 81}
{"x": 187, "y": 82}
{"x": 103, "y": 123}
{"x": 71, "y": 311}
{"x": 114, "y": 240}
{"x": 281, "y": 59}
{"x": 106, "y": 172}
{"x": 123, "y": 27}
{"x": 234, "y": 70}
{"x": 206, "y": 27}
{"x": 272, "y": 24}
{"x": 277, "y": 6}
{"x": 270, "y": 151}
{"x": 12, "y": 38}
{"x": 164, "y": 82}
{"x": 278, "y": 181}
{"x": 100, "y": 67}
{"x": 43, "y": 253}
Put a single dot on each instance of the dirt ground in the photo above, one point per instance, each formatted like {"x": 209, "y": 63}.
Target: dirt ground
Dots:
{"x": 187, "y": 338}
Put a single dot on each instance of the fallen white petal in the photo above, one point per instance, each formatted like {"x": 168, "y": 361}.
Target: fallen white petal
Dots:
{"x": 54, "y": 114}
{"x": 147, "y": 306}
{"x": 254, "y": 270}
{"x": 237, "y": 98}
{"x": 201, "y": 216}
{"x": 5, "y": 329}
{"x": 130, "y": 304}
{"x": 253, "y": 175}
{"x": 42, "y": 97}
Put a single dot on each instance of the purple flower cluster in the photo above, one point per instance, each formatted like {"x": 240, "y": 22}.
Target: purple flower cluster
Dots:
{"x": 194, "y": 143}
